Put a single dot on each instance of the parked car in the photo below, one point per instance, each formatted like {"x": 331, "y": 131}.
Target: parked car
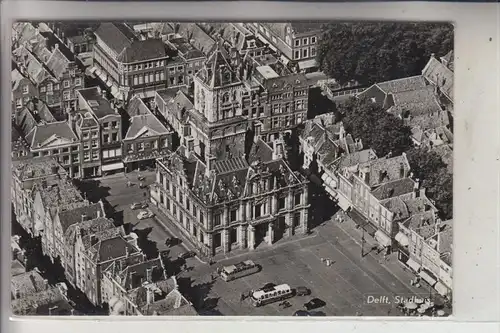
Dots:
{"x": 137, "y": 205}
{"x": 145, "y": 214}
{"x": 314, "y": 304}
{"x": 301, "y": 313}
{"x": 186, "y": 255}
{"x": 268, "y": 286}
{"x": 302, "y": 291}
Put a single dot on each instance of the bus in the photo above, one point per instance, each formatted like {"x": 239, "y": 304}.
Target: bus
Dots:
{"x": 238, "y": 270}
{"x": 272, "y": 294}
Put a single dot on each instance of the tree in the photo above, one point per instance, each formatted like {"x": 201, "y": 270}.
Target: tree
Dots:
{"x": 376, "y": 52}
{"x": 428, "y": 166}
{"x": 376, "y": 128}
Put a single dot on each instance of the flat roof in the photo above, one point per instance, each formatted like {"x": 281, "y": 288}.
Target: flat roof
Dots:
{"x": 267, "y": 72}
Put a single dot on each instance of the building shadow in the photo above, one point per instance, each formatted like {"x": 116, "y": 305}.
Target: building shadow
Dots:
{"x": 197, "y": 293}
{"x": 319, "y": 104}
{"x": 147, "y": 246}
{"x": 92, "y": 189}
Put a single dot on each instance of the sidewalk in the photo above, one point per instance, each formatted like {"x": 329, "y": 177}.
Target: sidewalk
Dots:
{"x": 173, "y": 230}
{"x": 391, "y": 264}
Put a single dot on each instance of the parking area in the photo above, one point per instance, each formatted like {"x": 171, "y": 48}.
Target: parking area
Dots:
{"x": 345, "y": 286}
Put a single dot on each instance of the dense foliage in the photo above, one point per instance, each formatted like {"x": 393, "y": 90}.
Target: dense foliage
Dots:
{"x": 435, "y": 178}
{"x": 378, "y": 129}
{"x": 376, "y": 52}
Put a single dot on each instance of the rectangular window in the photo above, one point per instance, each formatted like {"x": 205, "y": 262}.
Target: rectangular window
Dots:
{"x": 95, "y": 155}
{"x": 305, "y": 41}
{"x": 305, "y": 53}
{"x": 233, "y": 215}
{"x": 114, "y": 137}
{"x": 201, "y": 218}
{"x": 281, "y": 203}
{"x": 217, "y": 220}
{"x": 43, "y": 89}
{"x": 66, "y": 83}
{"x": 188, "y": 204}
{"x": 86, "y": 156}
{"x": 25, "y": 89}
{"x": 297, "y": 54}
{"x": 140, "y": 146}
{"x": 94, "y": 143}
{"x": 297, "y": 42}
{"x": 114, "y": 124}
{"x": 313, "y": 40}
{"x": 313, "y": 51}
{"x": 297, "y": 199}
{"x": 106, "y": 138}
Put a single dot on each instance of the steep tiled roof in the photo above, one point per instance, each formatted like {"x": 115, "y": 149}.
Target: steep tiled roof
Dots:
{"x": 58, "y": 63}
{"x": 440, "y": 75}
{"x": 288, "y": 82}
{"x": 394, "y": 188}
{"x": 117, "y": 36}
{"x": 415, "y": 102}
{"x": 18, "y": 143}
{"x": 448, "y": 60}
{"x": 388, "y": 169}
{"x": 60, "y": 194}
{"x": 36, "y": 304}
{"x": 429, "y": 121}
{"x": 358, "y": 157}
{"x": 36, "y": 168}
{"x": 76, "y": 215}
{"x": 418, "y": 205}
{"x": 46, "y": 133}
{"x": 423, "y": 224}
{"x": 110, "y": 249}
{"x": 137, "y": 107}
{"x": 87, "y": 228}
{"x": 143, "y": 50}
{"x": 145, "y": 124}
{"x": 27, "y": 284}
{"x": 134, "y": 276}
{"x": 397, "y": 206}
{"x": 196, "y": 36}
{"x": 404, "y": 84}
{"x": 40, "y": 110}
{"x": 260, "y": 151}
{"x": 17, "y": 268}
{"x": 179, "y": 104}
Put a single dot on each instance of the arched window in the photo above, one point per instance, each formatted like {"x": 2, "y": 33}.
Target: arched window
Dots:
{"x": 225, "y": 97}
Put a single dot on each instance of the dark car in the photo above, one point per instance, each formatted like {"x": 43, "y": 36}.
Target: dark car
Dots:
{"x": 314, "y": 304}
{"x": 268, "y": 286}
{"x": 301, "y": 313}
{"x": 302, "y": 291}
{"x": 188, "y": 254}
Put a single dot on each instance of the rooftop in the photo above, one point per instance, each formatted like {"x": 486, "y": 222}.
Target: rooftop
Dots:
{"x": 196, "y": 36}
{"x": 267, "y": 72}
{"x": 394, "y": 188}
{"x": 134, "y": 276}
{"x": 58, "y": 63}
{"x": 37, "y": 168}
{"x": 117, "y": 36}
{"x": 80, "y": 214}
{"x": 59, "y": 194}
{"x": 39, "y": 303}
{"x": 111, "y": 249}
{"x": 388, "y": 169}
{"x": 423, "y": 224}
{"x": 28, "y": 283}
{"x": 355, "y": 158}
{"x": 145, "y": 125}
{"x": 51, "y": 134}
{"x": 440, "y": 75}
{"x": 404, "y": 84}
{"x": 415, "y": 102}
{"x": 99, "y": 105}
{"x": 143, "y": 50}
{"x": 217, "y": 70}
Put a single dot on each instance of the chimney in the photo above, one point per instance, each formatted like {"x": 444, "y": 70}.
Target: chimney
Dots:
{"x": 148, "y": 274}
{"x": 402, "y": 171}
{"x": 150, "y": 298}
{"x": 127, "y": 253}
{"x": 99, "y": 213}
{"x": 415, "y": 189}
{"x": 422, "y": 192}
{"x": 17, "y": 293}
{"x": 99, "y": 90}
{"x": 380, "y": 176}
{"x": 45, "y": 284}
{"x": 84, "y": 217}
{"x": 433, "y": 55}
{"x": 437, "y": 226}
{"x": 56, "y": 47}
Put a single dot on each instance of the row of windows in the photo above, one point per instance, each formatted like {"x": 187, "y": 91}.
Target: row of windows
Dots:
{"x": 304, "y": 53}
{"x": 141, "y": 146}
{"x": 305, "y": 41}
{"x": 147, "y": 65}
{"x": 108, "y": 125}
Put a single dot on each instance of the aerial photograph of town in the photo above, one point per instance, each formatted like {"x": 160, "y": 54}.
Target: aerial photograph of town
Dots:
{"x": 232, "y": 168}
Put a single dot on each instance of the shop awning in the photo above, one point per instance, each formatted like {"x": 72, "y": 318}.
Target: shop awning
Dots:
{"x": 413, "y": 264}
{"x": 343, "y": 203}
{"x": 427, "y": 277}
{"x": 402, "y": 239}
{"x": 329, "y": 181}
{"x": 382, "y": 238}
{"x": 331, "y": 192}
{"x": 441, "y": 289}
{"x": 307, "y": 63}
{"x": 113, "y": 166}
{"x": 362, "y": 221}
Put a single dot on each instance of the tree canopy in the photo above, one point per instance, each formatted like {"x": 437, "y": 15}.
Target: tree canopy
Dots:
{"x": 377, "y": 129}
{"x": 428, "y": 166}
{"x": 376, "y": 52}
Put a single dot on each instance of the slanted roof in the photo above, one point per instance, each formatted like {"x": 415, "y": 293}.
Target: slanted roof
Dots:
{"x": 355, "y": 158}
{"x": 415, "y": 102}
{"x": 287, "y": 82}
{"x": 404, "y": 84}
{"x": 143, "y": 50}
{"x": 133, "y": 276}
{"x": 28, "y": 283}
{"x": 438, "y": 74}
{"x": 45, "y": 134}
{"x": 394, "y": 188}
{"x": 116, "y": 36}
{"x": 58, "y": 63}
{"x": 217, "y": 70}
{"x": 145, "y": 125}
{"x": 111, "y": 249}
{"x": 423, "y": 224}
{"x": 36, "y": 168}
{"x": 388, "y": 169}
{"x": 59, "y": 195}
{"x": 196, "y": 36}
{"x": 80, "y": 214}
{"x": 38, "y": 303}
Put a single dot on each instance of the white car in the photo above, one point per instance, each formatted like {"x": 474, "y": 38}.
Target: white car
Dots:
{"x": 145, "y": 214}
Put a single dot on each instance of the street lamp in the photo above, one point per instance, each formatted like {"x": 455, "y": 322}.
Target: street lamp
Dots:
{"x": 362, "y": 241}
